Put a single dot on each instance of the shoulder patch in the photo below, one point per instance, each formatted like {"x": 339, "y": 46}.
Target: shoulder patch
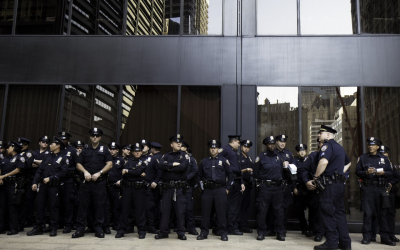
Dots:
{"x": 22, "y": 159}
{"x": 250, "y": 159}
{"x": 227, "y": 162}
{"x": 257, "y": 159}
{"x": 67, "y": 161}
{"x": 22, "y": 153}
{"x": 324, "y": 148}
{"x": 358, "y": 159}
{"x": 220, "y": 150}
{"x": 29, "y": 155}
{"x": 187, "y": 157}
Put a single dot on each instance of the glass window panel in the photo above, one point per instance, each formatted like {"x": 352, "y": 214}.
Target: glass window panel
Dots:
{"x": 88, "y": 106}
{"x": 6, "y": 16}
{"x": 326, "y": 17}
{"x": 202, "y": 17}
{"x": 380, "y": 16}
{"x": 276, "y": 17}
{"x": 149, "y": 112}
{"x": 382, "y": 117}
{"x": 336, "y": 107}
{"x": 32, "y": 111}
{"x": 2, "y": 91}
{"x": 42, "y": 17}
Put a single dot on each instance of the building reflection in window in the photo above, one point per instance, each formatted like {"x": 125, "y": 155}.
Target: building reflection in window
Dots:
{"x": 276, "y": 17}
{"x": 6, "y": 16}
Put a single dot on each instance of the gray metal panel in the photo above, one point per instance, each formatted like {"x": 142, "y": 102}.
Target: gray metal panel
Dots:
{"x": 249, "y": 117}
{"x": 318, "y": 61}
{"x": 230, "y": 17}
{"x": 228, "y": 112}
{"x": 118, "y": 60}
{"x": 249, "y": 17}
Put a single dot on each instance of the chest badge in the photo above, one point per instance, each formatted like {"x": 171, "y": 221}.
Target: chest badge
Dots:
{"x": 220, "y": 163}
{"x": 69, "y": 154}
{"x": 382, "y": 161}
{"x": 257, "y": 159}
{"x": 13, "y": 160}
{"x": 101, "y": 149}
{"x": 117, "y": 163}
{"x": 287, "y": 155}
{"x": 59, "y": 160}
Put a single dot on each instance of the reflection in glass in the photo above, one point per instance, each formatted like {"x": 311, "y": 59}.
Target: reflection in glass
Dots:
{"x": 88, "y": 106}
{"x": 335, "y": 107}
{"x": 32, "y": 111}
{"x": 146, "y": 17}
{"x": 202, "y": 17}
{"x": 2, "y": 91}
{"x": 382, "y": 118}
{"x": 379, "y": 17}
{"x": 6, "y": 16}
{"x": 151, "y": 114}
{"x": 326, "y": 17}
{"x": 276, "y": 17}
{"x": 42, "y": 17}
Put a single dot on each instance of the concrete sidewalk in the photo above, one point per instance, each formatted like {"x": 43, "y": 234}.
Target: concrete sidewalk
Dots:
{"x": 294, "y": 240}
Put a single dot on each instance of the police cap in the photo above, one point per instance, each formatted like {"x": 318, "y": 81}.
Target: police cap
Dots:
{"x": 184, "y": 144}
{"x": 246, "y": 143}
{"x": 269, "y": 140}
{"x": 383, "y": 149}
{"x": 374, "y": 141}
{"x": 16, "y": 145}
{"x": 95, "y": 132}
{"x": 301, "y": 147}
{"x": 78, "y": 144}
{"x": 113, "y": 145}
{"x": 59, "y": 141}
{"x": 23, "y": 140}
{"x": 145, "y": 142}
{"x": 44, "y": 138}
{"x": 155, "y": 145}
{"x": 127, "y": 146}
{"x": 176, "y": 138}
{"x": 282, "y": 138}
{"x": 137, "y": 147}
{"x": 325, "y": 128}
{"x": 214, "y": 144}
{"x": 64, "y": 135}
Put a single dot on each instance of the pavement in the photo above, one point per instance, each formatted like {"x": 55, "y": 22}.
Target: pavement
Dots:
{"x": 294, "y": 240}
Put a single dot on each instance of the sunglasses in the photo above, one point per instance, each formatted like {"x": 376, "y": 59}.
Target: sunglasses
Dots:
{"x": 44, "y": 142}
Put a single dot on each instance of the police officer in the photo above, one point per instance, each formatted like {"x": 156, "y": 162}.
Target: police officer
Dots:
{"x": 114, "y": 183}
{"x": 213, "y": 173}
{"x": 300, "y": 198}
{"x": 330, "y": 167}
{"x": 391, "y": 216}
{"x": 10, "y": 168}
{"x": 2, "y": 149}
{"x": 27, "y": 206}
{"x": 126, "y": 153}
{"x": 78, "y": 146}
{"x": 47, "y": 184}
{"x": 234, "y": 197}
{"x": 375, "y": 170}
{"x": 247, "y": 173}
{"x": 134, "y": 191}
{"x": 94, "y": 161}
{"x": 174, "y": 165}
{"x": 155, "y": 149}
{"x": 268, "y": 172}
{"x": 68, "y": 191}
{"x": 191, "y": 180}
{"x": 146, "y": 147}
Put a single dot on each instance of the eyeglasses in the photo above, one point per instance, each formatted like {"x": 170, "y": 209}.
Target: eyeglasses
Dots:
{"x": 44, "y": 142}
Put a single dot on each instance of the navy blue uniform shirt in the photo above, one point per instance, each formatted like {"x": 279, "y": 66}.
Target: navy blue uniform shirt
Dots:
{"x": 300, "y": 162}
{"x": 136, "y": 167}
{"x": 246, "y": 162}
{"x": 72, "y": 155}
{"x": 29, "y": 171}
{"x": 193, "y": 168}
{"x": 367, "y": 160}
{"x": 177, "y": 173}
{"x": 309, "y": 166}
{"x": 115, "y": 173}
{"x": 94, "y": 160}
{"x": 222, "y": 171}
{"x": 152, "y": 168}
{"x": 10, "y": 163}
{"x": 334, "y": 153}
{"x": 233, "y": 157}
{"x": 268, "y": 166}
{"x": 53, "y": 166}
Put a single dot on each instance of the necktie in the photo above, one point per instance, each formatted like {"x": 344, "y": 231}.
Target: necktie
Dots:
{"x": 213, "y": 175}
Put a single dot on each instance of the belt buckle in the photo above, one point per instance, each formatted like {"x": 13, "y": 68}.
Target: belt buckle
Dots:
{"x": 269, "y": 183}
{"x": 172, "y": 183}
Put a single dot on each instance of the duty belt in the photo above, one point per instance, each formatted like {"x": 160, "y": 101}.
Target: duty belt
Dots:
{"x": 10, "y": 180}
{"x": 381, "y": 183}
{"x": 135, "y": 184}
{"x": 270, "y": 183}
{"x": 113, "y": 185}
{"x": 332, "y": 178}
{"x": 212, "y": 185}
{"x": 70, "y": 174}
{"x": 173, "y": 184}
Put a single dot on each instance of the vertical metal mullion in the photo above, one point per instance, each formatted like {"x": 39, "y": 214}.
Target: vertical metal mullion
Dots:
{"x": 298, "y": 19}
{"x": 362, "y": 111}
{"x": 3, "y": 116}
{"x": 181, "y": 18}
{"x": 223, "y": 17}
{"x": 178, "y": 119}
{"x": 61, "y": 117}
{"x": 358, "y": 18}
{"x": 119, "y": 119}
{"x": 300, "y": 116}
{"x": 14, "y": 24}
{"x": 70, "y": 17}
{"x": 124, "y": 24}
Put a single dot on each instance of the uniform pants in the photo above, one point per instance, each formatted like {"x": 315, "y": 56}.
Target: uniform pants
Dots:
{"x": 152, "y": 208}
{"x": 47, "y": 194}
{"x": 30, "y": 204}
{"x": 391, "y": 216}
{"x": 315, "y": 214}
{"x": 268, "y": 197}
{"x": 245, "y": 207}
{"x": 189, "y": 216}
{"x": 68, "y": 200}
{"x": 7, "y": 198}
{"x": 300, "y": 205}
{"x": 115, "y": 205}
{"x": 91, "y": 192}
{"x": 136, "y": 198}
{"x": 287, "y": 201}
{"x": 331, "y": 202}
{"x": 216, "y": 197}
{"x": 233, "y": 205}
{"x": 180, "y": 209}
{"x": 371, "y": 205}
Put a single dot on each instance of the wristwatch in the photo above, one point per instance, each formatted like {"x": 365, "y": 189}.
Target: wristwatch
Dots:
{"x": 101, "y": 172}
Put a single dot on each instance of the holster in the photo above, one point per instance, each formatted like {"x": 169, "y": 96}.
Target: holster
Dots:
{"x": 385, "y": 199}
{"x": 21, "y": 182}
{"x": 20, "y": 196}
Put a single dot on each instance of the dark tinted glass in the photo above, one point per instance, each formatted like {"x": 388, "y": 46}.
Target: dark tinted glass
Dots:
{"x": 6, "y": 16}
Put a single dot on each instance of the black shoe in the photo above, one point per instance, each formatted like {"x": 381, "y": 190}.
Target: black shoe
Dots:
{"x": 270, "y": 233}
{"x": 66, "y": 230}
{"x": 160, "y": 236}
{"x": 260, "y": 237}
{"x": 153, "y": 231}
{"x": 324, "y": 247}
{"x": 193, "y": 231}
{"x": 373, "y": 239}
{"x": 21, "y": 229}
{"x": 365, "y": 241}
{"x": 343, "y": 248}
{"x": 78, "y": 234}
{"x": 388, "y": 242}
{"x": 99, "y": 235}
{"x": 12, "y": 232}
{"x": 130, "y": 230}
{"x": 74, "y": 227}
{"x": 182, "y": 237}
{"x": 35, "y": 231}
{"x": 142, "y": 236}
{"x": 107, "y": 231}
{"x": 46, "y": 229}
{"x": 310, "y": 234}
{"x": 280, "y": 237}
{"x": 394, "y": 239}
{"x": 234, "y": 232}
{"x": 304, "y": 232}
{"x": 215, "y": 232}
{"x": 224, "y": 237}
{"x": 119, "y": 235}
{"x": 246, "y": 230}
{"x": 3, "y": 232}
{"x": 318, "y": 238}
{"x": 53, "y": 233}
{"x": 89, "y": 230}
{"x": 201, "y": 237}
